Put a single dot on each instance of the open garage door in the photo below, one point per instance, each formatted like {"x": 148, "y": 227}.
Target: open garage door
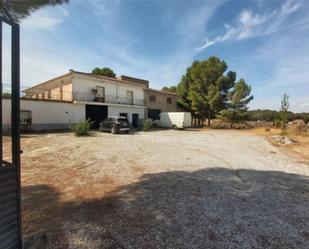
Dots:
{"x": 153, "y": 113}
{"x": 96, "y": 113}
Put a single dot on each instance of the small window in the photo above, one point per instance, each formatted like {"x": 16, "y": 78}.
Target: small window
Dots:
{"x": 130, "y": 97}
{"x": 169, "y": 100}
{"x": 152, "y": 98}
{"x": 123, "y": 114}
{"x": 100, "y": 91}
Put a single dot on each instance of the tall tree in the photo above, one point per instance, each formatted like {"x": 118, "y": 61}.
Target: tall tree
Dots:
{"x": 284, "y": 112}
{"x": 171, "y": 89}
{"x": 204, "y": 87}
{"x": 238, "y": 100}
{"x": 182, "y": 91}
{"x": 15, "y": 10}
{"x": 105, "y": 71}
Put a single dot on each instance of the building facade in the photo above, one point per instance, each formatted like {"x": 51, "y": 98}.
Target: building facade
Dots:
{"x": 101, "y": 96}
{"x": 95, "y": 97}
{"x": 158, "y": 101}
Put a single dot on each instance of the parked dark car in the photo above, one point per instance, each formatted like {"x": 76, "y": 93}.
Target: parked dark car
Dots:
{"x": 115, "y": 125}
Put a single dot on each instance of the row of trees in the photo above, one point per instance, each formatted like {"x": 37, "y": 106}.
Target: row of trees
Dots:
{"x": 206, "y": 90}
{"x": 272, "y": 116}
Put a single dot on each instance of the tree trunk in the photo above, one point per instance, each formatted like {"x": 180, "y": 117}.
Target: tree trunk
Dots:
{"x": 209, "y": 118}
{"x": 232, "y": 120}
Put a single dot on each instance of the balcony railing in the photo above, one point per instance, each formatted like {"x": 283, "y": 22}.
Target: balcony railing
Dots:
{"x": 77, "y": 96}
{"x": 57, "y": 94}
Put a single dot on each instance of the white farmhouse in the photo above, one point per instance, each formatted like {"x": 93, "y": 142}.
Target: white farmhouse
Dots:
{"x": 70, "y": 98}
{"x": 96, "y": 96}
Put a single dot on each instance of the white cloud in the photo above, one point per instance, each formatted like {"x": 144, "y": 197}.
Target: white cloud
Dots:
{"x": 43, "y": 19}
{"x": 105, "y": 8}
{"x": 192, "y": 23}
{"x": 250, "y": 24}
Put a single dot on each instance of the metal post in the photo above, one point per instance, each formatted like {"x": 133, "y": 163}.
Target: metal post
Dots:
{"x": 16, "y": 117}
{"x": 1, "y": 145}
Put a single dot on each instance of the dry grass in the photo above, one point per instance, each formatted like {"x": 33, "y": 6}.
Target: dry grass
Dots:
{"x": 162, "y": 189}
{"x": 300, "y": 148}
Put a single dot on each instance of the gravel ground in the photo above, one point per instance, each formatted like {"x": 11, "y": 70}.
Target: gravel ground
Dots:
{"x": 163, "y": 189}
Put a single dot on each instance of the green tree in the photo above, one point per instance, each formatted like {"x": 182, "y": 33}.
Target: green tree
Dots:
{"x": 263, "y": 115}
{"x": 15, "y": 10}
{"x": 182, "y": 91}
{"x": 171, "y": 89}
{"x": 105, "y": 71}
{"x": 203, "y": 89}
{"x": 238, "y": 100}
{"x": 284, "y": 112}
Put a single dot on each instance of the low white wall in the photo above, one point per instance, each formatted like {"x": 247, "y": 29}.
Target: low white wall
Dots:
{"x": 46, "y": 115}
{"x": 116, "y": 110}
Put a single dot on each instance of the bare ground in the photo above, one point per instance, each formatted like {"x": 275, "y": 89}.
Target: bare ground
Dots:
{"x": 163, "y": 189}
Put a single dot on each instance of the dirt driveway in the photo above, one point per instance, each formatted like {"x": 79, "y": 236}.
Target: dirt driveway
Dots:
{"x": 162, "y": 189}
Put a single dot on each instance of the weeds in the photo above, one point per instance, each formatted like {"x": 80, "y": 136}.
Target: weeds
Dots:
{"x": 147, "y": 125}
{"x": 82, "y": 128}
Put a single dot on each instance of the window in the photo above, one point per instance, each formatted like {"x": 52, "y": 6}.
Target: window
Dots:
{"x": 169, "y": 100}
{"x": 100, "y": 91}
{"x": 152, "y": 98}
{"x": 130, "y": 97}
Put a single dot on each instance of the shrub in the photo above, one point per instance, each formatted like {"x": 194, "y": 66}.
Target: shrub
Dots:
{"x": 147, "y": 125}
{"x": 277, "y": 123}
{"x": 82, "y": 128}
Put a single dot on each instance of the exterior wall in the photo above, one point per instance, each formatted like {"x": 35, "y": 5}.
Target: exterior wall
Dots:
{"x": 67, "y": 92}
{"x": 46, "y": 115}
{"x": 161, "y": 101}
{"x": 82, "y": 87}
{"x": 59, "y": 88}
{"x": 116, "y": 110}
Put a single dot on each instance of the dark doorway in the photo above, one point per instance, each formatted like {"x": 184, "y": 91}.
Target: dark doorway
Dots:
{"x": 96, "y": 113}
{"x": 153, "y": 113}
{"x": 135, "y": 120}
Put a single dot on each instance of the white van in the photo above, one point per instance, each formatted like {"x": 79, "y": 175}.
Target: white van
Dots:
{"x": 176, "y": 120}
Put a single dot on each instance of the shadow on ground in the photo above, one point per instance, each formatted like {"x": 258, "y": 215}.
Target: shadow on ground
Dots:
{"x": 213, "y": 208}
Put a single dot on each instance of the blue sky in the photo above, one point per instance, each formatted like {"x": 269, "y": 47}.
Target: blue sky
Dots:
{"x": 265, "y": 42}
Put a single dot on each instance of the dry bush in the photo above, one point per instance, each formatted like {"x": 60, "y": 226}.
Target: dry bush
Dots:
{"x": 222, "y": 124}
{"x": 298, "y": 127}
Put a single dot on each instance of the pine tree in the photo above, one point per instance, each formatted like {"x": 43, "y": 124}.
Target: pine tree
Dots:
{"x": 238, "y": 100}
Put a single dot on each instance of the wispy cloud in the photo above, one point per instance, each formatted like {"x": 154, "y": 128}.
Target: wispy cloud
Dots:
{"x": 104, "y": 8}
{"x": 250, "y": 24}
{"x": 44, "y": 20}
